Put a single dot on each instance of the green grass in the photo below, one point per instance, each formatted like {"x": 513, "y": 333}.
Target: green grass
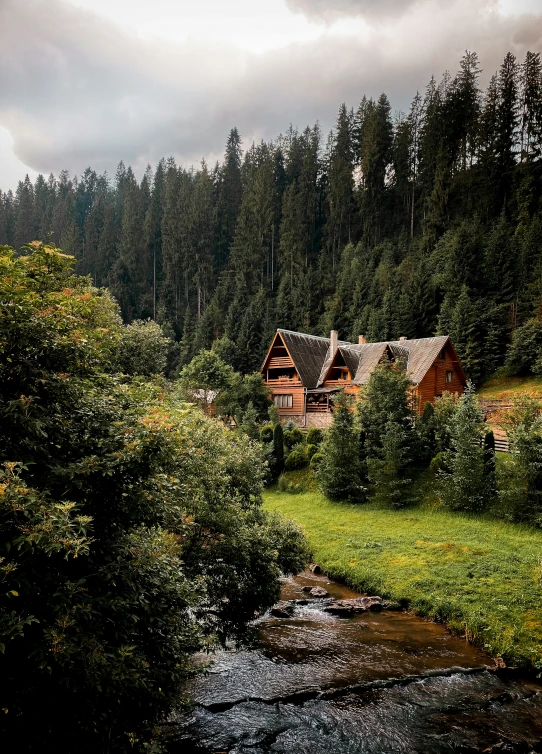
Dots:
{"x": 478, "y": 575}
{"x": 502, "y": 387}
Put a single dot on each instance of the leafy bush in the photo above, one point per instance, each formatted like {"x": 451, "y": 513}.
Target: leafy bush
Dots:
{"x": 131, "y": 526}
{"x": 143, "y": 348}
{"x": 296, "y": 460}
{"x": 314, "y": 436}
{"x": 316, "y": 460}
{"x": 310, "y": 450}
{"x": 266, "y": 433}
{"x": 293, "y": 437}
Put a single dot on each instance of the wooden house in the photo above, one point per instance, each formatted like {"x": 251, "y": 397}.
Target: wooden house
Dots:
{"x": 304, "y": 371}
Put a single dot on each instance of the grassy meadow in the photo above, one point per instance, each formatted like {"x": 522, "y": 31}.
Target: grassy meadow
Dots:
{"x": 505, "y": 388}
{"x": 481, "y": 576}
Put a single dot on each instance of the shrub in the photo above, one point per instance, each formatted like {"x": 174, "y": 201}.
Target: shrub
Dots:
{"x": 310, "y": 450}
{"x": 290, "y": 424}
{"x": 266, "y": 433}
{"x": 314, "y": 436}
{"x": 296, "y": 460}
{"x": 316, "y": 460}
{"x": 293, "y": 437}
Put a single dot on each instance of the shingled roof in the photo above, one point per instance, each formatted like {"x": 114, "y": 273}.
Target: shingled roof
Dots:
{"x": 309, "y": 352}
{"x": 312, "y": 356}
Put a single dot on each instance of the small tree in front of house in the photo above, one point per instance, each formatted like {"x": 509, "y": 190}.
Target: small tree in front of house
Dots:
{"x": 205, "y": 377}
{"x": 387, "y": 421}
{"x": 339, "y": 471}
{"x": 387, "y": 399}
{"x": 389, "y": 471}
{"x": 463, "y": 480}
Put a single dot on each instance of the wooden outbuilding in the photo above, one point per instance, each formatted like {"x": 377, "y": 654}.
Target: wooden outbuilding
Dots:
{"x": 304, "y": 371}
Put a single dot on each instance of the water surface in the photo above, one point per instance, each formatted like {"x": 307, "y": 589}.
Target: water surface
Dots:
{"x": 380, "y": 682}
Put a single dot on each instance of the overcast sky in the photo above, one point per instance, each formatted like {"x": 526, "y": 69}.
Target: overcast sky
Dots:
{"x": 91, "y": 82}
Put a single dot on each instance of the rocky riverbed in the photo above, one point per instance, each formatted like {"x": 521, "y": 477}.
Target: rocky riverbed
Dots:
{"x": 336, "y": 672}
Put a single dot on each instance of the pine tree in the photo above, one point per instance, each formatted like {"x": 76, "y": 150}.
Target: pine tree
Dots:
{"x": 339, "y": 471}
{"x": 464, "y": 483}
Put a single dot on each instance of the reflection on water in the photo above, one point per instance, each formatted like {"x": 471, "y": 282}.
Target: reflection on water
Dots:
{"x": 374, "y": 682}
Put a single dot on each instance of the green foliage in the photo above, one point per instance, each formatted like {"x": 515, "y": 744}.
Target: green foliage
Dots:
{"x": 525, "y": 352}
{"x": 388, "y": 471}
{"x": 316, "y": 460}
{"x": 425, "y": 426}
{"x": 339, "y": 471}
{"x": 266, "y": 433}
{"x": 249, "y": 422}
{"x": 131, "y": 527}
{"x": 310, "y": 450}
{"x": 464, "y": 484}
{"x": 293, "y": 437}
{"x": 445, "y": 409}
{"x": 143, "y": 349}
{"x": 278, "y": 448}
{"x": 386, "y": 399}
{"x": 521, "y": 479}
{"x": 314, "y": 436}
{"x": 205, "y": 377}
{"x": 295, "y": 460}
{"x": 241, "y": 392}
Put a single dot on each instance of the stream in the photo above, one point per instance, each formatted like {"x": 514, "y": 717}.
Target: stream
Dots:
{"x": 376, "y": 681}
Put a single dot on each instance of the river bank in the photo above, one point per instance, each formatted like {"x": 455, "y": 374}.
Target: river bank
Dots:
{"x": 480, "y": 576}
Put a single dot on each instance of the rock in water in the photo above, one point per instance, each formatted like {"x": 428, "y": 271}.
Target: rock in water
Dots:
{"x": 282, "y": 610}
{"x": 317, "y": 591}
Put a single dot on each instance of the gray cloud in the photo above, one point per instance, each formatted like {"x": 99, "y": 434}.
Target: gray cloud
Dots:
{"x": 330, "y": 11}
{"x": 77, "y": 90}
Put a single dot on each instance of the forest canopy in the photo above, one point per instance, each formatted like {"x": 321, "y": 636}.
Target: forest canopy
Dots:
{"x": 394, "y": 224}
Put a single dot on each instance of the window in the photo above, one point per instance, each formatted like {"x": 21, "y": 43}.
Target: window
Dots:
{"x": 284, "y": 401}
{"x": 449, "y": 378}
{"x": 442, "y": 354}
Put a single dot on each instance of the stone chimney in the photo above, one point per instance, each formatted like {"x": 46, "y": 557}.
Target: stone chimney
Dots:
{"x": 362, "y": 340}
{"x": 403, "y": 338}
{"x": 333, "y": 342}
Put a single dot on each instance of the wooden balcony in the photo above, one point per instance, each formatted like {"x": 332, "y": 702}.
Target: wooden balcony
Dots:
{"x": 291, "y": 381}
{"x": 317, "y": 408}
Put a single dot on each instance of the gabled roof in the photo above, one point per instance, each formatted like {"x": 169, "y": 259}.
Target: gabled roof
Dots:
{"x": 313, "y": 359}
{"x": 308, "y": 352}
{"x": 421, "y": 354}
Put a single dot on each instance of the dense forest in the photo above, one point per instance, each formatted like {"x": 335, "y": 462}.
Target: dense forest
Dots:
{"x": 395, "y": 224}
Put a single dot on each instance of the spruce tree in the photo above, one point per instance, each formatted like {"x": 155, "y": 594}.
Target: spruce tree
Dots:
{"x": 339, "y": 471}
{"x": 464, "y": 482}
